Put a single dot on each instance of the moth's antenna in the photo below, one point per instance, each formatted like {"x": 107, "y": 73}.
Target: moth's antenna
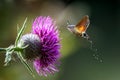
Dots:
{"x": 68, "y": 22}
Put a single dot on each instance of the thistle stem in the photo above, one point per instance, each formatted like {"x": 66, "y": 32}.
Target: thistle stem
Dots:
{"x": 25, "y": 63}
{"x": 2, "y": 49}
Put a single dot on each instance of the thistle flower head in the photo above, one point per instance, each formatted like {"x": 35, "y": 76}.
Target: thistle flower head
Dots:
{"x": 43, "y": 45}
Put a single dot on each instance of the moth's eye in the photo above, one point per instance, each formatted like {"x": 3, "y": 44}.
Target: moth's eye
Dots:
{"x": 84, "y": 35}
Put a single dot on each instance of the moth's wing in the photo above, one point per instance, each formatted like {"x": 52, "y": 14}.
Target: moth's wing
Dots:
{"x": 71, "y": 28}
{"x": 83, "y": 24}
{"x": 84, "y": 21}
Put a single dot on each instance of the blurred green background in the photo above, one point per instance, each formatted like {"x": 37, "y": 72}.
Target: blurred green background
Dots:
{"x": 77, "y": 62}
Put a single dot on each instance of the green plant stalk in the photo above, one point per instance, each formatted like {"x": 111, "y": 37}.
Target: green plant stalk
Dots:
{"x": 25, "y": 63}
{"x": 20, "y": 32}
{"x": 3, "y": 49}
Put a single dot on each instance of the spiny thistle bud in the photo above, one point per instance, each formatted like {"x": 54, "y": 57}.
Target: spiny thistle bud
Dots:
{"x": 33, "y": 49}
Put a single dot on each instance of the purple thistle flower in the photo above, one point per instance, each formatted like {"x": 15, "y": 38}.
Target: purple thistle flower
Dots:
{"x": 43, "y": 45}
